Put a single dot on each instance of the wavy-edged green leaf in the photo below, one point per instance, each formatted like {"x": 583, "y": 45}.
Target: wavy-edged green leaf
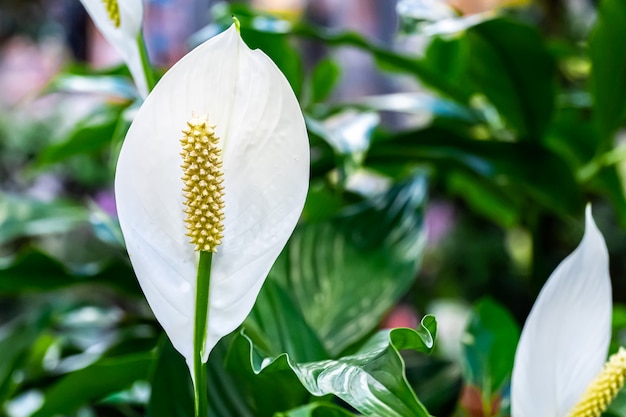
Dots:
{"x": 511, "y": 66}
{"x": 345, "y": 273}
{"x": 372, "y": 380}
{"x": 489, "y": 349}
{"x": 93, "y": 383}
{"x": 608, "y": 76}
{"x": 234, "y": 393}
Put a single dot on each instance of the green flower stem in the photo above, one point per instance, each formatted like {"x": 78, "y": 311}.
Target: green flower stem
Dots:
{"x": 201, "y": 319}
{"x": 145, "y": 62}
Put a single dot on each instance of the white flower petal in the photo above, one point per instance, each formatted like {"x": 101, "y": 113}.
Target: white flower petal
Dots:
{"x": 565, "y": 339}
{"x": 266, "y": 168}
{"x": 123, "y": 38}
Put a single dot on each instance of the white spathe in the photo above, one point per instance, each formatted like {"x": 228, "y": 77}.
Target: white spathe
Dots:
{"x": 565, "y": 339}
{"x": 123, "y": 38}
{"x": 266, "y": 171}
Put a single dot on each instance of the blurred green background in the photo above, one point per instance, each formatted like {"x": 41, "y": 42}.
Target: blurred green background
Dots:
{"x": 454, "y": 147}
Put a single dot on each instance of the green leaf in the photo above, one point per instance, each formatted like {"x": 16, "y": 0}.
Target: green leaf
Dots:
{"x": 266, "y": 393}
{"x": 276, "y": 326}
{"x": 511, "y": 66}
{"x": 526, "y": 169}
{"x": 27, "y": 217}
{"x": 317, "y": 409}
{"x": 171, "y": 389}
{"x": 36, "y": 272}
{"x": 16, "y": 340}
{"x": 90, "y": 135}
{"x": 608, "y": 76}
{"x": 325, "y": 76}
{"x": 372, "y": 380}
{"x": 345, "y": 273}
{"x": 93, "y": 383}
{"x": 489, "y": 348}
{"x": 282, "y": 325}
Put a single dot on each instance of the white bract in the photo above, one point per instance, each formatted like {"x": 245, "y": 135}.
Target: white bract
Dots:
{"x": 120, "y": 23}
{"x": 565, "y": 339}
{"x": 265, "y": 162}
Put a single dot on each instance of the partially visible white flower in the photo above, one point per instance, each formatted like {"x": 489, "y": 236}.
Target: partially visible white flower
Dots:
{"x": 236, "y": 102}
{"x": 120, "y": 23}
{"x": 558, "y": 370}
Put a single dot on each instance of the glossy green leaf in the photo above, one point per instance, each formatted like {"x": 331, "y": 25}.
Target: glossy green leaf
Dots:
{"x": 282, "y": 325}
{"x": 489, "y": 348}
{"x": 92, "y": 134}
{"x": 372, "y": 380}
{"x": 27, "y": 217}
{"x": 608, "y": 83}
{"x": 511, "y": 66}
{"x": 345, "y": 273}
{"x": 36, "y": 272}
{"x": 325, "y": 76}
{"x": 266, "y": 393}
{"x": 93, "y": 383}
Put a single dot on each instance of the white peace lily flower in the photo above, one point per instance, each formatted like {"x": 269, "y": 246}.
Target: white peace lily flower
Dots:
{"x": 225, "y": 120}
{"x": 120, "y": 23}
{"x": 558, "y": 370}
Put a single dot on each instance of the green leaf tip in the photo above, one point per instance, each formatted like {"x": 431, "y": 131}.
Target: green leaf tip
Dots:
{"x": 237, "y": 24}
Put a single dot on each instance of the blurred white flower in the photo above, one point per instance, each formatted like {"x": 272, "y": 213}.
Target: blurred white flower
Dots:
{"x": 120, "y": 23}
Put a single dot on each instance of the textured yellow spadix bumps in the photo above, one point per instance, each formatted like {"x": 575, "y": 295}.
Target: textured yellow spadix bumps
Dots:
{"x": 603, "y": 388}
{"x": 113, "y": 10}
{"x": 203, "y": 184}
